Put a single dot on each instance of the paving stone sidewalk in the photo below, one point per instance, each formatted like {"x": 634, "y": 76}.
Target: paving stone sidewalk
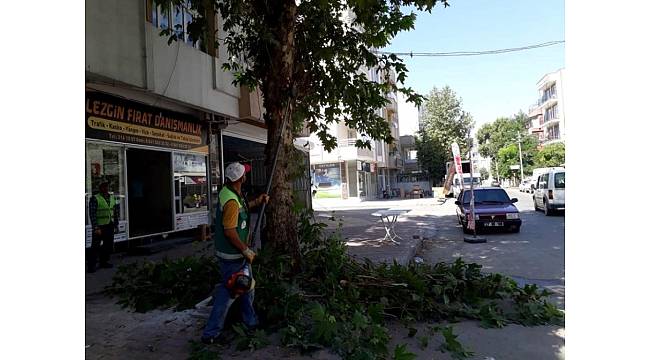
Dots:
{"x": 364, "y": 233}
{"x": 116, "y": 333}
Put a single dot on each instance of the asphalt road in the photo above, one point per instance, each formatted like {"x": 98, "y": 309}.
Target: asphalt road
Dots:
{"x": 534, "y": 255}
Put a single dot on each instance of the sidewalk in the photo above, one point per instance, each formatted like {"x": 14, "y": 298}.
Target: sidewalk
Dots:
{"x": 116, "y": 333}
{"x": 363, "y": 233}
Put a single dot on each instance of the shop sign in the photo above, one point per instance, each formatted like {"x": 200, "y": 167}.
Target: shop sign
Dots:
{"x": 192, "y": 220}
{"x": 115, "y": 119}
{"x": 326, "y": 179}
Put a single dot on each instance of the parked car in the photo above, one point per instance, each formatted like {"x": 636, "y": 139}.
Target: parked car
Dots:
{"x": 532, "y": 186}
{"x": 493, "y": 207}
{"x": 549, "y": 191}
{"x": 524, "y": 186}
{"x": 495, "y": 183}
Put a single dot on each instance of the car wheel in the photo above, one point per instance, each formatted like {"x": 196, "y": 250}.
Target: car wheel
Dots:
{"x": 547, "y": 211}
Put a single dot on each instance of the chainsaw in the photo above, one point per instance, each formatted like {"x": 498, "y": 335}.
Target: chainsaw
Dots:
{"x": 241, "y": 282}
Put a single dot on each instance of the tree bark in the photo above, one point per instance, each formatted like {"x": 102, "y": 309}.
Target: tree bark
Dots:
{"x": 281, "y": 227}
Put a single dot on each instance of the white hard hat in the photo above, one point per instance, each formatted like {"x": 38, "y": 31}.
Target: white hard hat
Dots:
{"x": 235, "y": 171}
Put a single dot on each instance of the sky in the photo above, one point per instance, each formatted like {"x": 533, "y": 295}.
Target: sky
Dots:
{"x": 490, "y": 86}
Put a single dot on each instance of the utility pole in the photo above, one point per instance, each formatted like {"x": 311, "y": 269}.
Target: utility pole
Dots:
{"x": 521, "y": 162}
{"x": 471, "y": 239}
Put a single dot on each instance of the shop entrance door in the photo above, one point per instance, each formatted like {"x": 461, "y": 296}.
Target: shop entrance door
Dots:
{"x": 149, "y": 180}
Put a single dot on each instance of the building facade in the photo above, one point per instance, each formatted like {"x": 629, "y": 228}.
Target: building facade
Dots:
{"x": 163, "y": 120}
{"x": 479, "y": 162}
{"x": 546, "y": 117}
{"x": 351, "y": 172}
{"x": 409, "y": 154}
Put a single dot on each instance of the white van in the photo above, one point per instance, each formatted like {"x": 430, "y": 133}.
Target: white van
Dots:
{"x": 549, "y": 191}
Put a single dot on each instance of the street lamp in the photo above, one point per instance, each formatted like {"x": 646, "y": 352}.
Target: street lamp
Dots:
{"x": 521, "y": 161}
{"x": 496, "y": 161}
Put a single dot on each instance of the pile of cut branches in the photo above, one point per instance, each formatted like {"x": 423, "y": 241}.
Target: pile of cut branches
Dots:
{"x": 338, "y": 303}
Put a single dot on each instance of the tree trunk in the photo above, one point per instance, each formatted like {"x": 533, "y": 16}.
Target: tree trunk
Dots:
{"x": 281, "y": 226}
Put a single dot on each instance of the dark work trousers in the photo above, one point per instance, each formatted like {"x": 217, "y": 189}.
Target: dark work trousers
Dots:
{"x": 102, "y": 245}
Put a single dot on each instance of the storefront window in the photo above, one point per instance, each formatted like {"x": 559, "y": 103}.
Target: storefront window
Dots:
{"x": 190, "y": 183}
{"x": 105, "y": 163}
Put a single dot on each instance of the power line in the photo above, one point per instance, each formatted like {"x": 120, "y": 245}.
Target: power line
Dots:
{"x": 473, "y": 53}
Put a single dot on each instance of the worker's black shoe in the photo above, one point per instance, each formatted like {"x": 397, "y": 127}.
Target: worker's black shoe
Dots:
{"x": 209, "y": 340}
{"x": 220, "y": 339}
{"x": 250, "y": 330}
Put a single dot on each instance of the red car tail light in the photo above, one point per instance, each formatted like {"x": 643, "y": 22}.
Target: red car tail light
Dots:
{"x": 550, "y": 194}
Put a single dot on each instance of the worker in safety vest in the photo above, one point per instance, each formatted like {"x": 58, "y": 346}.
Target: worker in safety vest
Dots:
{"x": 231, "y": 239}
{"x": 104, "y": 212}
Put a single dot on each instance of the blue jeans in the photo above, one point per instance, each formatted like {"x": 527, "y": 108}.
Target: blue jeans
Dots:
{"x": 222, "y": 301}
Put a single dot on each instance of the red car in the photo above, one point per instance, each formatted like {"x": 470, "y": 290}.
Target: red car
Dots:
{"x": 493, "y": 207}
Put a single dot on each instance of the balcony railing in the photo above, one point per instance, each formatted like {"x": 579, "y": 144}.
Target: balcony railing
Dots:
{"x": 352, "y": 142}
{"x": 546, "y": 98}
{"x": 546, "y": 120}
{"x": 551, "y": 138}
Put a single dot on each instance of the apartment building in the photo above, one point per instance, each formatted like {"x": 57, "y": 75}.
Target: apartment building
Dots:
{"x": 479, "y": 162}
{"x": 546, "y": 116}
{"x": 351, "y": 172}
{"x": 163, "y": 120}
{"x": 409, "y": 154}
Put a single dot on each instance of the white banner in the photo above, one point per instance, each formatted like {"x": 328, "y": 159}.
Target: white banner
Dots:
{"x": 192, "y": 220}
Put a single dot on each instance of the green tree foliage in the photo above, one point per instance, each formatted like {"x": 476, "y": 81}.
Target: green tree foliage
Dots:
{"x": 310, "y": 60}
{"x": 444, "y": 122}
{"x": 499, "y": 133}
{"x": 508, "y": 156}
{"x": 551, "y": 155}
{"x": 496, "y": 139}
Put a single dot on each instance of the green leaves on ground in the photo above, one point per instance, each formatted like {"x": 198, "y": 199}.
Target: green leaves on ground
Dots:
{"x": 249, "y": 341}
{"x": 401, "y": 353}
{"x": 492, "y": 316}
{"x": 453, "y": 346}
{"x": 339, "y": 303}
{"x": 201, "y": 352}
{"x": 423, "y": 342}
{"x": 179, "y": 283}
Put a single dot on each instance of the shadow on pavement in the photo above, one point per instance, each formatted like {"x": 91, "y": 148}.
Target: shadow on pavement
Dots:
{"x": 533, "y": 256}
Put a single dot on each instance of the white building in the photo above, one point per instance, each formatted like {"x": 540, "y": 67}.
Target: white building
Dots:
{"x": 546, "y": 116}
{"x": 479, "y": 162}
{"x": 351, "y": 172}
